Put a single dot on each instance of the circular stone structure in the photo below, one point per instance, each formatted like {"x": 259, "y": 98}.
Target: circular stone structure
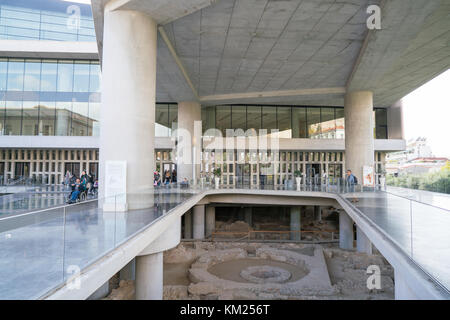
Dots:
{"x": 265, "y": 274}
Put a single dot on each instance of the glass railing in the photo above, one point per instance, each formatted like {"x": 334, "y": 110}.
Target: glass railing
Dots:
{"x": 41, "y": 250}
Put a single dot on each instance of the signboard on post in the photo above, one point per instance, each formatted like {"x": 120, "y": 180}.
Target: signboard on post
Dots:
{"x": 115, "y": 186}
{"x": 368, "y": 176}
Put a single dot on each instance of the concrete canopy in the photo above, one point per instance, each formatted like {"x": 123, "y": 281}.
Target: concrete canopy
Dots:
{"x": 267, "y": 51}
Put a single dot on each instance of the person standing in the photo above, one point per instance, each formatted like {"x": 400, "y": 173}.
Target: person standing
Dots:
{"x": 351, "y": 181}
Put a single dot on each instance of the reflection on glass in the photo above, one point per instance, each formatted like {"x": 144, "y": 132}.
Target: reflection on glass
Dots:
{"x": 94, "y": 77}
{"x": 79, "y": 121}
{"x": 94, "y": 119}
{"x": 65, "y": 76}
{"x": 208, "y": 118}
{"x": 173, "y": 118}
{"x": 340, "y": 123}
{"x": 30, "y": 116}
{"x": 63, "y": 118}
{"x": 284, "y": 122}
{"x": 81, "y": 76}
{"x": 254, "y": 118}
{"x": 313, "y": 122}
{"x": 3, "y": 73}
{"x": 48, "y": 75}
{"x": 32, "y": 75}
{"x": 223, "y": 118}
{"x": 299, "y": 122}
{"x": 162, "y": 120}
{"x": 15, "y": 75}
{"x": 13, "y": 117}
{"x": 328, "y": 123}
{"x": 238, "y": 117}
{"x": 269, "y": 118}
{"x": 47, "y": 118}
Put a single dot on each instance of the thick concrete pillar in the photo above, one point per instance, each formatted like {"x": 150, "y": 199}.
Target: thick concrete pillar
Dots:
{"x": 149, "y": 277}
{"x": 402, "y": 291}
{"x": 363, "y": 243}
{"x": 188, "y": 224}
{"x": 248, "y": 215}
{"x": 345, "y": 231}
{"x": 317, "y": 213}
{"x": 189, "y": 133}
{"x": 199, "y": 222}
{"x": 295, "y": 223}
{"x": 129, "y": 271}
{"x": 210, "y": 220}
{"x": 128, "y": 101}
{"x": 359, "y": 124}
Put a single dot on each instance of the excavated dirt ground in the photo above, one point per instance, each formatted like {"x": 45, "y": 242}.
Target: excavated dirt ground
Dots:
{"x": 346, "y": 270}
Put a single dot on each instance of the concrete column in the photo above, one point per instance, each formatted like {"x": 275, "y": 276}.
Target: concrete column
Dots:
{"x": 248, "y": 215}
{"x": 402, "y": 291}
{"x": 345, "y": 231}
{"x": 188, "y": 224}
{"x": 149, "y": 277}
{"x": 129, "y": 271}
{"x": 317, "y": 213}
{"x": 359, "y": 124}
{"x": 189, "y": 135}
{"x": 363, "y": 243}
{"x": 199, "y": 222}
{"x": 295, "y": 223}
{"x": 210, "y": 220}
{"x": 128, "y": 101}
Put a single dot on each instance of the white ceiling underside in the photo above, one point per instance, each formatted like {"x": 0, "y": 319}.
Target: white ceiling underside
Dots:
{"x": 232, "y": 47}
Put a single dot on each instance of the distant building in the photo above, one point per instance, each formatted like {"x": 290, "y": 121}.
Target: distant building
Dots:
{"x": 417, "y": 158}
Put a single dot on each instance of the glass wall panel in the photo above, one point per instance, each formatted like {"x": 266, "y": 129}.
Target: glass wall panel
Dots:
{"x": 223, "y": 118}
{"x": 47, "y": 118}
{"x": 208, "y": 118}
{"x": 380, "y": 123}
{"x": 13, "y": 117}
{"x": 238, "y": 116}
{"x": 2, "y": 117}
{"x": 173, "y": 118}
{"x": 3, "y": 73}
{"x": 30, "y": 116}
{"x": 63, "y": 118}
{"x": 32, "y": 76}
{"x": 49, "y": 75}
{"x": 328, "y": 123}
{"x": 313, "y": 122}
{"x": 299, "y": 122}
{"x": 94, "y": 77}
{"x": 162, "y": 120}
{"x": 254, "y": 118}
{"x": 284, "y": 122}
{"x": 15, "y": 75}
{"x": 340, "y": 123}
{"x": 65, "y": 76}
{"x": 94, "y": 119}
{"x": 79, "y": 121}
{"x": 269, "y": 118}
{"x": 81, "y": 76}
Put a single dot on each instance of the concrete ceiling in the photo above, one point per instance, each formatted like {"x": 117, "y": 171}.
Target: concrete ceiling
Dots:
{"x": 229, "y": 47}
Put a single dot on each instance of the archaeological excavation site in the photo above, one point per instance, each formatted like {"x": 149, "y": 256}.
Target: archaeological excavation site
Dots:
{"x": 265, "y": 253}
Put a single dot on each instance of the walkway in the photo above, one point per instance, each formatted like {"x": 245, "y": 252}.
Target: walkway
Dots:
{"x": 40, "y": 255}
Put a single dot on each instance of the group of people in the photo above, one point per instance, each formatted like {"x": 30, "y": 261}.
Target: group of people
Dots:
{"x": 167, "y": 178}
{"x": 85, "y": 182}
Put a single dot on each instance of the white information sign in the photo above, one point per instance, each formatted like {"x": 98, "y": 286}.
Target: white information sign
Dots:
{"x": 116, "y": 182}
{"x": 369, "y": 178}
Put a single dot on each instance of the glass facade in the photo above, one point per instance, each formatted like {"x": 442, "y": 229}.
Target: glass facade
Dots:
{"x": 290, "y": 121}
{"x": 46, "y": 20}
{"x": 49, "y": 97}
{"x": 166, "y": 118}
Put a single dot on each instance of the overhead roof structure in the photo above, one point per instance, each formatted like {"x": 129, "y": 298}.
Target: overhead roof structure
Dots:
{"x": 292, "y": 51}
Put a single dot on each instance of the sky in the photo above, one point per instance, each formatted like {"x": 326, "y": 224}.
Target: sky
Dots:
{"x": 426, "y": 113}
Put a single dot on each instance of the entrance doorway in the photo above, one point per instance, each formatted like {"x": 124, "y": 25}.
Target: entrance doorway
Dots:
{"x": 243, "y": 174}
{"x": 313, "y": 173}
{"x": 73, "y": 168}
{"x": 22, "y": 169}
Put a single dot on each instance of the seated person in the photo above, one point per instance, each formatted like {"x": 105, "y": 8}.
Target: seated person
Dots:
{"x": 77, "y": 188}
{"x": 185, "y": 183}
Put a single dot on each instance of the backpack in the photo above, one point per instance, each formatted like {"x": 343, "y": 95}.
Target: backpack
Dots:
{"x": 355, "y": 179}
